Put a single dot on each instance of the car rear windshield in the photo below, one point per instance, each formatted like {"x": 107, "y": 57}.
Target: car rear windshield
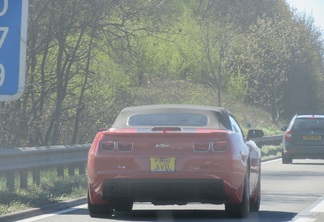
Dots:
{"x": 168, "y": 119}
{"x": 309, "y": 123}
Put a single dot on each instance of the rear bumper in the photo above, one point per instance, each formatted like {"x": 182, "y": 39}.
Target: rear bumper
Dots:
{"x": 165, "y": 191}
{"x": 169, "y": 188}
{"x": 303, "y": 152}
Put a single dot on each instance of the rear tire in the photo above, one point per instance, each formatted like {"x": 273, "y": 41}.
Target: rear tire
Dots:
{"x": 286, "y": 159}
{"x": 99, "y": 211}
{"x": 240, "y": 210}
{"x": 255, "y": 202}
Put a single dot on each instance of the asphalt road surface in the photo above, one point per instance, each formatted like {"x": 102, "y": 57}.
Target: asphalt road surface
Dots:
{"x": 291, "y": 192}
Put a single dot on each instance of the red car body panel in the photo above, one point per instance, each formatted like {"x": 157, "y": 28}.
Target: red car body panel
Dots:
{"x": 128, "y": 155}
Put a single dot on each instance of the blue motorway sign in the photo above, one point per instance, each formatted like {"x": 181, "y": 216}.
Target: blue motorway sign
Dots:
{"x": 13, "y": 43}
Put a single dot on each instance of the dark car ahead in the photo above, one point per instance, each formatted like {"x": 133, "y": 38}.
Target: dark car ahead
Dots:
{"x": 304, "y": 138}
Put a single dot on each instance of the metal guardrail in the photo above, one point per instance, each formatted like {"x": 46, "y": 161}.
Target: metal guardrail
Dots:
{"x": 21, "y": 161}
{"x": 269, "y": 140}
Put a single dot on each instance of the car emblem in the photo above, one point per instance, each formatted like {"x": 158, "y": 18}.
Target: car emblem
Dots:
{"x": 162, "y": 145}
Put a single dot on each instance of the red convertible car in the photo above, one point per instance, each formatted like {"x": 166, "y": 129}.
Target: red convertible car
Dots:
{"x": 174, "y": 154}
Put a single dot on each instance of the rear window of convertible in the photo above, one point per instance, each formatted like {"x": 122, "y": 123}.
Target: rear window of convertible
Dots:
{"x": 168, "y": 119}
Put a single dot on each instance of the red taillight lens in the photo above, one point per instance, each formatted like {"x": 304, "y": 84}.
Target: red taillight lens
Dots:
{"x": 124, "y": 146}
{"x": 220, "y": 145}
{"x": 201, "y": 146}
{"x": 111, "y": 145}
{"x": 288, "y": 135}
{"x": 107, "y": 145}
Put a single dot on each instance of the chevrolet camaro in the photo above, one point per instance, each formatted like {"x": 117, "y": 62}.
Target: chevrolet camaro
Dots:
{"x": 174, "y": 154}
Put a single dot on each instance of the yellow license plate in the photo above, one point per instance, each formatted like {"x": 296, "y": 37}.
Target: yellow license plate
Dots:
{"x": 162, "y": 164}
{"x": 312, "y": 137}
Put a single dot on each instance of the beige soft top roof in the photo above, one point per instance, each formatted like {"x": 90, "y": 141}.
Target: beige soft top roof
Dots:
{"x": 217, "y": 115}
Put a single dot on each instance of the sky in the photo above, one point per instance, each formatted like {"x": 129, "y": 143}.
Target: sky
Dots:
{"x": 315, "y": 8}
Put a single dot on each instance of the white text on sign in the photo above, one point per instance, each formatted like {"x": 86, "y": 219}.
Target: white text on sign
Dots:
{"x": 3, "y": 34}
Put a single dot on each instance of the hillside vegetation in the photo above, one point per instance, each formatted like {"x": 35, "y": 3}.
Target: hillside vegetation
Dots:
{"x": 188, "y": 93}
{"x": 86, "y": 60}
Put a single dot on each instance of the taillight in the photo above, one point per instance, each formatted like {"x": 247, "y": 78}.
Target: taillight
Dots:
{"x": 288, "y": 135}
{"x": 219, "y": 145}
{"x": 206, "y": 146}
{"x": 201, "y": 146}
{"x": 107, "y": 145}
{"x": 111, "y": 145}
{"x": 124, "y": 146}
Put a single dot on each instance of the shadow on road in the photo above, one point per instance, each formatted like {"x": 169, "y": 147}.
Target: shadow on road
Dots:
{"x": 197, "y": 215}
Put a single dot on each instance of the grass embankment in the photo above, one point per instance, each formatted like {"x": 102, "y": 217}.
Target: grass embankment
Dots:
{"x": 54, "y": 189}
{"x": 51, "y": 190}
{"x": 268, "y": 152}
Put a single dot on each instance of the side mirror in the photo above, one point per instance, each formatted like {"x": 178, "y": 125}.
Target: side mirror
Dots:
{"x": 254, "y": 133}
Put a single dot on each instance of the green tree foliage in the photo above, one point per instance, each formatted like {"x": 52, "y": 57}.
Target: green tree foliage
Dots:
{"x": 269, "y": 47}
{"x": 304, "y": 90}
{"x": 87, "y": 59}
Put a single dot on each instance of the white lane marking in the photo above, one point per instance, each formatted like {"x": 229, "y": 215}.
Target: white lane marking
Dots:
{"x": 310, "y": 214}
{"x": 270, "y": 161}
{"x": 43, "y": 216}
{"x": 305, "y": 220}
{"x": 319, "y": 208}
